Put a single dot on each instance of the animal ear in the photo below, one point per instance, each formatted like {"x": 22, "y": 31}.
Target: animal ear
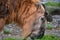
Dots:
{"x": 48, "y": 17}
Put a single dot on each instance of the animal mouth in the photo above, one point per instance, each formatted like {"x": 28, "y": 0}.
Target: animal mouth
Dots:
{"x": 38, "y": 34}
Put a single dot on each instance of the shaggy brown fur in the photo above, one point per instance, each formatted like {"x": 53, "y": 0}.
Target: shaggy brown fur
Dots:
{"x": 23, "y": 12}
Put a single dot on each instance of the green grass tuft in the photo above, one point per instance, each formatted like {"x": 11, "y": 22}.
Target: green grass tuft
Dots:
{"x": 53, "y": 4}
{"x": 46, "y": 37}
{"x": 10, "y": 39}
{"x": 49, "y": 26}
{"x": 49, "y": 37}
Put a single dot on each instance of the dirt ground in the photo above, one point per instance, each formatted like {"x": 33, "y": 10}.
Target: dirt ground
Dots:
{"x": 14, "y": 32}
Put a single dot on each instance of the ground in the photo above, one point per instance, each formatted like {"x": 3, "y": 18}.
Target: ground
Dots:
{"x": 15, "y": 31}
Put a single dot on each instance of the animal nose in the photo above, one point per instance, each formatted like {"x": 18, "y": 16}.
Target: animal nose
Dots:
{"x": 39, "y": 35}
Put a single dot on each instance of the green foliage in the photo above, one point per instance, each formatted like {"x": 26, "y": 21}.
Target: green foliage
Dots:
{"x": 10, "y": 39}
{"x": 49, "y": 26}
{"x": 49, "y": 37}
{"x": 50, "y": 6}
{"x": 6, "y": 31}
{"x": 53, "y": 4}
{"x": 46, "y": 37}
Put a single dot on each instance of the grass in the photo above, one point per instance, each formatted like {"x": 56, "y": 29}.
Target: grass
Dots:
{"x": 10, "y": 39}
{"x": 49, "y": 26}
{"x": 50, "y": 6}
{"x": 53, "y": 4}
{"x": 46, "y": 37}
{"x": 49, "y": 37}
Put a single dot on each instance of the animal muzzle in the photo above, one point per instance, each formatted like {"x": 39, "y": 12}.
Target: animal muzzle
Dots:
{"x": 38, "y": 34}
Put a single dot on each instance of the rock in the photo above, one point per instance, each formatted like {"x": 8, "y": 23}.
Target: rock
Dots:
{"x": 52, "y": 32}
{"x": 56, "y": 20}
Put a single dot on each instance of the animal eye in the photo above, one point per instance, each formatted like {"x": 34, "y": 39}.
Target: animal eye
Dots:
{"x": 43, "y": 19}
